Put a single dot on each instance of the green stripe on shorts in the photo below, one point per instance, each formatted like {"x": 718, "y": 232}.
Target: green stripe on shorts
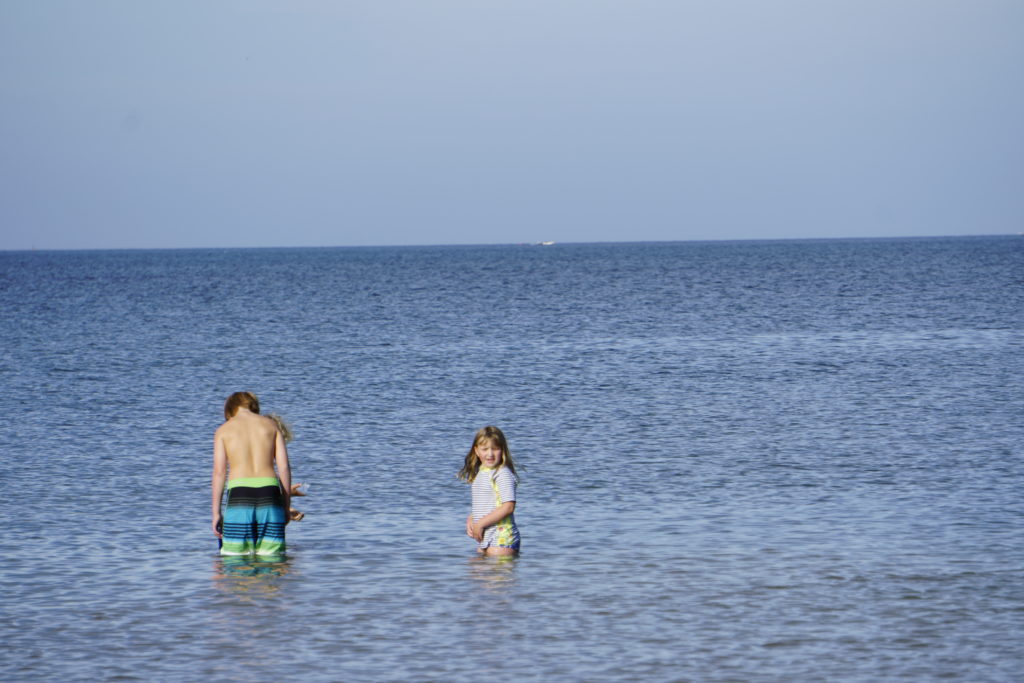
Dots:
{"x": 253, "y": 482}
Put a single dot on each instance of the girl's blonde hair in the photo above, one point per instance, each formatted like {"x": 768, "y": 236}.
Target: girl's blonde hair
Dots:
{"x": 472, "y": 465}
{"x": 282, "y": 426}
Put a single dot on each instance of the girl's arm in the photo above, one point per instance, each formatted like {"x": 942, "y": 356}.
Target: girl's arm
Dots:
{"x": 493, "y": 517}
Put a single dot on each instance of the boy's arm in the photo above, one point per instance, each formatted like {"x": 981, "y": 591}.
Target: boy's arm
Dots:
{"x": 284, "y": 472}
{"x": 220, "y": 470}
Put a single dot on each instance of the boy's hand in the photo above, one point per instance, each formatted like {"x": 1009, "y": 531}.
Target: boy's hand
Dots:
{"x": 218, "y": 526}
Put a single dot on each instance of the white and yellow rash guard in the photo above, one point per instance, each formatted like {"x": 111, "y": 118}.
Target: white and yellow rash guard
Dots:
{"x": 491, "y": 488}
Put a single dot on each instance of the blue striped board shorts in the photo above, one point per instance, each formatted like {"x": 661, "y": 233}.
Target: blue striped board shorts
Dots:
{"x": 255, "y": 517}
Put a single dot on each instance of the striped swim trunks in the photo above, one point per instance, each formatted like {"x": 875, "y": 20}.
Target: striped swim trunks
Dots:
{"x": 254, "y": 518}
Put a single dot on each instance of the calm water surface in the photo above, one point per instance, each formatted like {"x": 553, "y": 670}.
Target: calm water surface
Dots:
{"x": 740, "y": 461}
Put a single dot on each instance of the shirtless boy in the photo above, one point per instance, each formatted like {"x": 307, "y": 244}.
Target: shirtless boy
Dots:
{"x": 245, "y": 450}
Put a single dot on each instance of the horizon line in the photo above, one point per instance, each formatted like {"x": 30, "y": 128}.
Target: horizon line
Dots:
{"x": 512, "y": 244}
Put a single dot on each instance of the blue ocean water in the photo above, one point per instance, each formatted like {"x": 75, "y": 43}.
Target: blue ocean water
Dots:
{"x": 779, "y": 460}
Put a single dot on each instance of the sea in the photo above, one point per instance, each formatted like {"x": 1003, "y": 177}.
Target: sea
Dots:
{"x": 794, "y": 460}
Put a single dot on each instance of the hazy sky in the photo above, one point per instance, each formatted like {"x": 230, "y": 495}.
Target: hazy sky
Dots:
{"x": 292, "y": 123}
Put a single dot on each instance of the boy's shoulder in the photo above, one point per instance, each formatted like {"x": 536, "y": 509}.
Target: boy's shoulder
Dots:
{"x": 259, "y": 421}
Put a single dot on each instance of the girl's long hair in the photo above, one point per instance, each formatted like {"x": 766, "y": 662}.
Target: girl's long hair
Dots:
{"x": 472, "y": 464}
{"x": 282, "y": 426}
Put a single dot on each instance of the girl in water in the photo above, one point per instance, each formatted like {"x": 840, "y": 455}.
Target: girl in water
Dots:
{"x": 490, "y": 470}
{"x": 286, "y": 431}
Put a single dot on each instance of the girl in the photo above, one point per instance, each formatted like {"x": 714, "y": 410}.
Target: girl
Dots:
{"x": 286, "y": 431}
{"x": 489, "y": 469}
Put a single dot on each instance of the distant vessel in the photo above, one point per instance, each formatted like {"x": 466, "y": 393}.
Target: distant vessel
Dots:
{"x": 544, "y": 244}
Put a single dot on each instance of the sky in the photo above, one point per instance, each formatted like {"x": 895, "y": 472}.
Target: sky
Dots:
{"x": 245, "y": 123}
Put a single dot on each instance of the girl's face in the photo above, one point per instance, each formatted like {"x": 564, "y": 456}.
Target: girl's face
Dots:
{"x": 488, "y": 452}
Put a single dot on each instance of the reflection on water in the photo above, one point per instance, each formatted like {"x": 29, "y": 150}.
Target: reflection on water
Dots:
{"x": 250, "y": 577}
{"x": 493, "y": 574}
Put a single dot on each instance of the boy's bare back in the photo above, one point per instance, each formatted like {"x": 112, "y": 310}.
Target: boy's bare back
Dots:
{"x": 250, "y": 443}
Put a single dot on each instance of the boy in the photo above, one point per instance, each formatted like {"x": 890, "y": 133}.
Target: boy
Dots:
{"x": 248, "y": 446}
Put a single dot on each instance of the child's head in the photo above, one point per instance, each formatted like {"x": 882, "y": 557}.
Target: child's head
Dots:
{"x": 282, "y": 426}
{"x": 489, "y": 444}
{"x": 240, "y": 399}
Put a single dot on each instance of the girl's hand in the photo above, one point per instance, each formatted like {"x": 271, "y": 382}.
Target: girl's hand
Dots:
{"x": 469, "y": 526}
{"x": 478, "y": 532}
